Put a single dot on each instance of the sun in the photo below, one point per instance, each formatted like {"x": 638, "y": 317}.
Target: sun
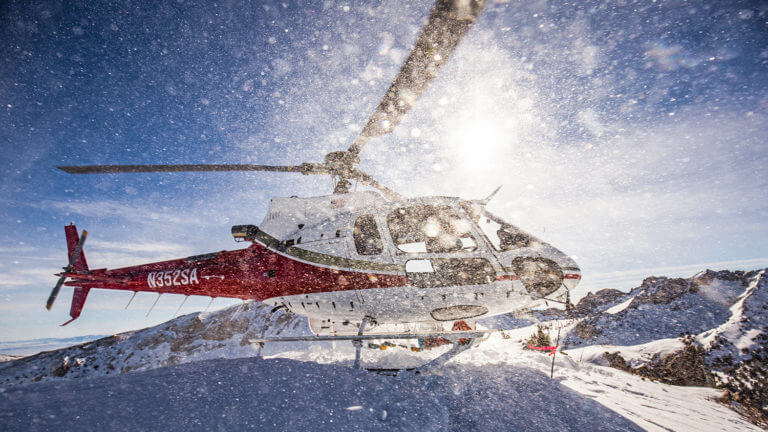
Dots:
{"x": 479, "y": 139}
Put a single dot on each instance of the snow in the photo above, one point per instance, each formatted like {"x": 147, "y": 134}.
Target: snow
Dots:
{"x": 198, "y": 372}
{"x": 635, "y": 355}
{"x": 650, "y": 405}
{"x": 193, "y": 337}
{"x": 619, "y": 307}
{"x": 749, "y": 316}
{"x": 497, "y": 386}
{"x": 281, "y": 394}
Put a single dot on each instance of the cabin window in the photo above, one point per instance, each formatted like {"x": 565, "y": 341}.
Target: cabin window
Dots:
{"x": 501, "y": 235}
{"x": 366, "y": 235}
{"x": 440, "y": 272}
{"x": 430, "y": 229}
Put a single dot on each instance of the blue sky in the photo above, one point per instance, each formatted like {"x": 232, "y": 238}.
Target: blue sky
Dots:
{"x": 631, "y": 135}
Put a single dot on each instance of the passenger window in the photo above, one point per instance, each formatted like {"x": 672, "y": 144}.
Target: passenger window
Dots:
{"x": 430, "y": 229}
{"x": 366, "y": 235}
{"x": 440, "y": 272}
{"x": 504, "y": 237}
{"x": 501, "y": 235}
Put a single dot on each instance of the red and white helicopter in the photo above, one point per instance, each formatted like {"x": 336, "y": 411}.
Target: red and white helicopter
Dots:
{"x": 360, "y": 265}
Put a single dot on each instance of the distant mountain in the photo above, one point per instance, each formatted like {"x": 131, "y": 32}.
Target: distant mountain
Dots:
{"x": 22, "y": 348}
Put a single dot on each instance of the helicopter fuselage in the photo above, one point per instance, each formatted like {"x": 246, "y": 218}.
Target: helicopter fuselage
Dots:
{"x": 339, "y": 258}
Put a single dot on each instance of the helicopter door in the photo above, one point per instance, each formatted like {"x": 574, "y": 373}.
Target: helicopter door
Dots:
{"x": 367, "y": 245}
{"x": 366, "y": 236}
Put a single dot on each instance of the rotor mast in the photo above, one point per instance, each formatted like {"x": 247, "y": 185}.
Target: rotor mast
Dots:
{"x": 448, "y": 23}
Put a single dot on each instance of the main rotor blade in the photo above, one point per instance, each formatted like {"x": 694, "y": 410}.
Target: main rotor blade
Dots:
{"x": 114, "y": 169}
{"x": 448, "y": 23}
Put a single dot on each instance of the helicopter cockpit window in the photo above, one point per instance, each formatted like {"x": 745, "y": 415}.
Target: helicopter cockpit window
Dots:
{"x": 500, "y": 234}
{"x": 430, "y": 229}
{"x": 366, "y": 235}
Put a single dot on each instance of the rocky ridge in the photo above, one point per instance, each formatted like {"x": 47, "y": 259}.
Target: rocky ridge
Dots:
{"x": 720, "y": 319}
{"x": 194, "y": 337}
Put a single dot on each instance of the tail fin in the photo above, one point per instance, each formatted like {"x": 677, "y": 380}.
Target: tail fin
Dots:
{"x": 78, "y": 301}
{"x": 72, "y": 240}
{"x": 80, "y": 265}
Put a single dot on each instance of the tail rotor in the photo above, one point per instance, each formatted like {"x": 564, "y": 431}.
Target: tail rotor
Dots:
{"x": 73, "y": 259}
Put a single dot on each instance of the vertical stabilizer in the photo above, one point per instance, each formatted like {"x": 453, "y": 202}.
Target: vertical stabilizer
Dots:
{"x": 78, "y": 301}
{"x": 72, "y": 240}
{"x": 77, "y": 264}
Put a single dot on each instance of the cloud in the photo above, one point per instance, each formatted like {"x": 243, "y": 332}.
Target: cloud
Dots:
{"x": 17, "y": 249}
{"x": 21, "y": 276}
{"x": 137, "y": 247}
{"x": 132, "y": 212}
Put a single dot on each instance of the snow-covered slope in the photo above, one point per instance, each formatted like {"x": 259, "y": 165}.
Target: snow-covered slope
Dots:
{"x": 739, "y": 335}
{"x": 193, "y": 337}
{"x": 198, "y": 372}
{"x": 723, "y": 317}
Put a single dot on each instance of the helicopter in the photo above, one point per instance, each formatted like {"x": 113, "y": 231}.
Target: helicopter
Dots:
{"x": 359, "y": 265}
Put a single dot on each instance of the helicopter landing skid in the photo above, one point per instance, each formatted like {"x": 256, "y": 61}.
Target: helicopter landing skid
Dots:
{"x": 461, "y": 340}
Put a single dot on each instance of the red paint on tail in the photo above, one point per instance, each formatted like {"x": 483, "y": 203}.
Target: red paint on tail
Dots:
{"x": 80, "y": 266}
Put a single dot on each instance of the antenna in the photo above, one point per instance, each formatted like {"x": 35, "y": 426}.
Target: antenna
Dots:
{"x": 487, "y": 199}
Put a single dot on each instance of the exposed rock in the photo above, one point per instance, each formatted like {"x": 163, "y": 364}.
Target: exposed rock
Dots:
{"x": 660, "y": 290}
{"x": 708, "y": 276}
{"x": 593, "y": 301}
{"x": 538, "y": 339}
{"x": 746, "y": 384}
{"x": 586, "y": 329}
{"x": 615, "y": 360}
{"x": 62, "y": 368}
{"x": 686, "y": 367}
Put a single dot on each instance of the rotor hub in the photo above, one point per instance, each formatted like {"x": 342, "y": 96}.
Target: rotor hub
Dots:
{"x": 341, "y": 162}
